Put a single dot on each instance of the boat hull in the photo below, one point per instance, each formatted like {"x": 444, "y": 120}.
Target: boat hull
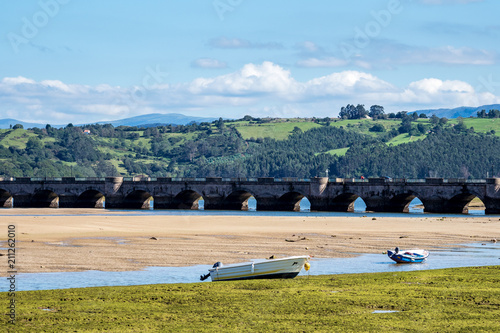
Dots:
{"x": 283, "y": 268}
{"x": 408, "y": 256}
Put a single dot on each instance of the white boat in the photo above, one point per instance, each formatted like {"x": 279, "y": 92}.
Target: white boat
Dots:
{"x": 281, "y": 268}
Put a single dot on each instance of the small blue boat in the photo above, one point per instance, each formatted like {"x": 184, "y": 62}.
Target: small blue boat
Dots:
{"x": 407, "y": 256}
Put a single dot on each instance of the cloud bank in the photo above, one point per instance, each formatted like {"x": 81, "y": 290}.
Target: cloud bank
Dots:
{"x": 265, "y": 89}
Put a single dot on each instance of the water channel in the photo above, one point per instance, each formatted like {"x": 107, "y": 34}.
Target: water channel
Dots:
{"x": 480, "y": 254}
{"x": 485, "y": 254}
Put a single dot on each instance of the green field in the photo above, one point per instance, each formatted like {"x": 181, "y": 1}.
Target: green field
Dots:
{"x": 404, "y": 138}
{"x": 15, "y": 138}
{"x": 277, "y": 130}
{"x": 450, "y": 300}
{"x": 337, "y": 152}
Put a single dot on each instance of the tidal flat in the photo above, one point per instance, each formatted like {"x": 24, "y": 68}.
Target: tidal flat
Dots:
{"x": 446, "y": 300}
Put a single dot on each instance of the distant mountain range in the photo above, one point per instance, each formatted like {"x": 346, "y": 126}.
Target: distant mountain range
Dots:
{"x": 463, "y": 111}
{"x": 147, "y": 120}
{"x": 156, "y": 119}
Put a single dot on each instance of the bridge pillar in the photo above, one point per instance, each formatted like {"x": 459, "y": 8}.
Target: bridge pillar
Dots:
{"x": 67, "y": 201}
{"x": 22, "y": 200}
{"x": 436, "y": 205}
{"x": 114, "y": 196}
{"x": 274, "y": 204}
{"x": 319, "y": 204}
{"x": 492, "y": 205}
{"x": 379, "y": 204}
{"x": 162, "y": 202}
{"x": 318, "y": 194}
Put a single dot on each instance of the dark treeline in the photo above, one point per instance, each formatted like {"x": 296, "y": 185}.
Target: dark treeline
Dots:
{"x": 445, "y": 153}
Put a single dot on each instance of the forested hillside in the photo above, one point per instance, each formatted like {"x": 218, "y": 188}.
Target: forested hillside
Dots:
{"x": 407, "y": 146}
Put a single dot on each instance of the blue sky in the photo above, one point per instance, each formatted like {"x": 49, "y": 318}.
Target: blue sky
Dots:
{"x": 86, "y": 61}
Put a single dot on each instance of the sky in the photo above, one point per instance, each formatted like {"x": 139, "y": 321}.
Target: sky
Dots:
{"x": 80, "y": 61}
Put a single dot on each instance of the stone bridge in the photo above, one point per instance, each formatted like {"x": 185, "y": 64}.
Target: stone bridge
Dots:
{"x": 438, "y": 195}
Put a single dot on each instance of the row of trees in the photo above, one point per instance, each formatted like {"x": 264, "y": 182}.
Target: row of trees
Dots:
{"x": 489, "y": 114}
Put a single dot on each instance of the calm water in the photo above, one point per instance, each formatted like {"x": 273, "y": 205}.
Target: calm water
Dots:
{"x": 471, "y": 255}
{"x": 415, "y": 210}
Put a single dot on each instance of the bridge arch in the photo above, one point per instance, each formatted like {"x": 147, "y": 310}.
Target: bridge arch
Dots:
{"x": 344, "y": 202}
{"x": 45, "y": 199}
{"x": 237, "y": 200}
{"x": 400, "y": 203}
{"x": 460, "y": 203}
{"x": 90, "y": 199}
{"x": 289, "y": 201}
{"x": 187, "y": 199}
{"x": 6, "y": 199}
{"x": 138, "y": 199}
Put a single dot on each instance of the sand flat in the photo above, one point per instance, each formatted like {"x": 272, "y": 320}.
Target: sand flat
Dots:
{"x": 75, "y": 240}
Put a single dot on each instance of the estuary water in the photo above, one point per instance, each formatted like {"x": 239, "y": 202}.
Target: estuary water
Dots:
{"x": 480, "y": 254}
{"x": 461, "y": 256}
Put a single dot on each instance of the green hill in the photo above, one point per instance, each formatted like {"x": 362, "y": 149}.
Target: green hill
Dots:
{"x": 251, "y": 147}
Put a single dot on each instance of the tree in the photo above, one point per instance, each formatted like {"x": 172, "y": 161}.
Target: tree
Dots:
{"x": 421, "y": 128}
{"x": 220, "y": 124}
{"x": 434, "y": 119}
{"x": 353, "y": 112}
{"x": 376, "y": 111}
{"x": 18, "y": 126}
{"x": 494, "y": 114}
{"x": 405, "y": 125}
{"x": 377, "y": 128}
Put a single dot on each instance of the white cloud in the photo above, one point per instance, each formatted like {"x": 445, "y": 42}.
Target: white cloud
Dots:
{"x": 238, "y": 43}
{"x": 208, "y": 63}
{"x": 450, "y": 55}
{"x": 267, "y": 78}
{"x": 324, "y": 62}
{"x": 254, "y": 89}
{"x": 388, "y": 53}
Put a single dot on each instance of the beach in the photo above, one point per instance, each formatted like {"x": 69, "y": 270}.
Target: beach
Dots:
{"x": 64, "y": 240}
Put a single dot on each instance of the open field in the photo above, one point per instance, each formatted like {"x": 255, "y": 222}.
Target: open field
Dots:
{"x": 450, "y": 300}
{"x": 278, "y": 130}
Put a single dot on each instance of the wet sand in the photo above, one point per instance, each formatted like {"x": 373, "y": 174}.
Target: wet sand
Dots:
{"x": 107, "y": 240}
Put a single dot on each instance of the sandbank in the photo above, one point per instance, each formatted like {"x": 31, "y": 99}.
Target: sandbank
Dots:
{"x": 62, "y": 240}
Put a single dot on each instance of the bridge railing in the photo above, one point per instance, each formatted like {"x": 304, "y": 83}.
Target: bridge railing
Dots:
{"x": 250, "y": 179}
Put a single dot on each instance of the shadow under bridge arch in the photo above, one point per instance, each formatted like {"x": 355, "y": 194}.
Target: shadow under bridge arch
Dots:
{"x": 45, "y": 199}
{"x": 289, "y": 201}
{"x": 401, "y": 203}
{"x": 237, "y": 200}
{"x": 138, "y": 199}
{"x": 90, "y": 199}
{"x": 6, "y": 199}
{"x": 346, "y": 202}
{"x": 187, "y": 199}
{"x": 460, "y": 204}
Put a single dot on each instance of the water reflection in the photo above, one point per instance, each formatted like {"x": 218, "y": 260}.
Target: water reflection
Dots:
{"x": 471, "y": 255}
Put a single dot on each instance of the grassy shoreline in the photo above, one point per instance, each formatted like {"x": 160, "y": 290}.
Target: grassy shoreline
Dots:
{"x": 446, "y": 300}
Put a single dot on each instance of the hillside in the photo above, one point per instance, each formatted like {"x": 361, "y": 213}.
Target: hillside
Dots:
{"x": 159, "y": 119}
{"x": 259, "y": 147}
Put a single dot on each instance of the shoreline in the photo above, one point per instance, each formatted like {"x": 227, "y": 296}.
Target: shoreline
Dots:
{"x": 52, "y": 241}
